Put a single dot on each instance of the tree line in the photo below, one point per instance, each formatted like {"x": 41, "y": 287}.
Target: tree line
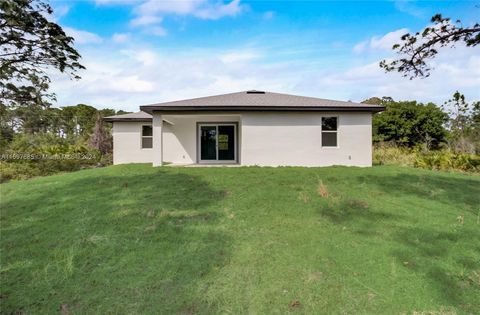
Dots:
{"x": 70, "y": 123}
{"x": 50, "y": 140}
{"x": 455, "y": 125}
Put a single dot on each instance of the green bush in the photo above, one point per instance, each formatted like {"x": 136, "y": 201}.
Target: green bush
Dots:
{"x": 389, "y": 154}
{"x": 446, "y": 160}
{"x": 9, "y": 171}
{"x": 45, "y": 154}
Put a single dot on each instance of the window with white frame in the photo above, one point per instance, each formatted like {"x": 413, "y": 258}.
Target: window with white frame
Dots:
{"x": 329, "y": 131}
{"x": 147, "y": 137}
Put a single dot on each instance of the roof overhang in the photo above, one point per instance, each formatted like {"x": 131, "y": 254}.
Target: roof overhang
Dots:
{"x": 149, "y": 120}
{"x": 112, "y": 119}
{"x": 367, "y": 108}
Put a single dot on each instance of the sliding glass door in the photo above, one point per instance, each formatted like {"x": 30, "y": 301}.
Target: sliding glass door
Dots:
{"x": 226, "y": 142}
{"x": 208, "y": 143}
{"x": 217, "y": 142}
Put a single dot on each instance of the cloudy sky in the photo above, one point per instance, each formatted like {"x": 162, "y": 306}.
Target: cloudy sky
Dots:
{"x": 146, "y": 51}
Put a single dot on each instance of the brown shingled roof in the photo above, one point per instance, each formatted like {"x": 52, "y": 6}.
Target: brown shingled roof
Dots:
{"x": 259, "y": 100}
{"x": 138, "y": 116}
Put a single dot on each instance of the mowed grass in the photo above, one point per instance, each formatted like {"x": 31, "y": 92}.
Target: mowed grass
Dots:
{"x": 140, "y": 240}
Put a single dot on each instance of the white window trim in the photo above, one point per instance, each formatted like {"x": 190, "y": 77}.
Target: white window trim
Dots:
{"x": 329, "y": 131}
{"x": 142, "y": 136}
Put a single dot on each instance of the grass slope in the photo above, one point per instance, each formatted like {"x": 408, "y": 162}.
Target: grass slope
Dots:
{"x": 137, "y": 239}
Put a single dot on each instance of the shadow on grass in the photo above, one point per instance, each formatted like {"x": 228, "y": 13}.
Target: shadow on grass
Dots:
{"x": 109, "y": 244}
{"x": 448, "y": 190}
{"x": 445, "y": 258}
{"x": 353, "y": 210}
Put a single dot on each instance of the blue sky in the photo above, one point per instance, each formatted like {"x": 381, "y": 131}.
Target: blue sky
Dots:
{"x": 144, "y": 51}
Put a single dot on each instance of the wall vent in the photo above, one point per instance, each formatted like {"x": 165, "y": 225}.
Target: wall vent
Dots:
{"x": 255, "y": 92}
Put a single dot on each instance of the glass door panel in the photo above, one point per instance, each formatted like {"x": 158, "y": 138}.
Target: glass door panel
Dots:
{"x": 208, "y": 143}
{"x": 226, "y": 142}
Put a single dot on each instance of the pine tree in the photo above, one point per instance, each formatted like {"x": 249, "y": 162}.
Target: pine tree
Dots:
{"x": 100, "y": 139}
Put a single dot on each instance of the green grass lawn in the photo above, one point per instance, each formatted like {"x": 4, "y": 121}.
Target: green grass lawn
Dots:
{"x": 136, "y": 239}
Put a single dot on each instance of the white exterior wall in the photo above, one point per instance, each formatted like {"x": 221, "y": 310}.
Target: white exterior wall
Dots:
{"x": 180, "y": 139}
{"x": 127, "y": 145}
{"x": 294, "y": 139}
{"x": 265, "y": 139}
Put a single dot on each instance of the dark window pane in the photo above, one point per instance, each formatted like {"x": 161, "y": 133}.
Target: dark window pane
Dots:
{"x": 329, "y": 123}
{"x": 329, "y": 139}
{"x": 146, "y": 131}
{"x": 226, "y": 142}
{"x": 208, "y": 143}
{"x": 147, "y": 143}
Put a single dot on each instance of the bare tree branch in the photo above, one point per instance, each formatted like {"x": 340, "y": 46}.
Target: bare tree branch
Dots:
{"x": 415, "y": 50}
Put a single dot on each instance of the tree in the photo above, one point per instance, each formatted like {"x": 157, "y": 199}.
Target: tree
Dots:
{"x": 410, "y": 124}
{"x": 457, "y": 108}
{"x": 100, "y": 139}
{"x": 110, "y": 112}
{"x": 377, "y": 100}
{"x": 30, "y": 45}
{"x": 476, "y": 126}
{"x": 6, "y": 130}
{"x": 418, "y": 48}
{"x": 78, "y": 120}
{"x": 463, "y": 123}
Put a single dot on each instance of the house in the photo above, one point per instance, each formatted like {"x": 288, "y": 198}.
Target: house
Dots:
{"x": 247, "y": 128}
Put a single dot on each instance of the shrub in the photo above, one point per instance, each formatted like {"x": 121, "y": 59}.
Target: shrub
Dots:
{"x": 390, "y": 154}
{"x": 9, "y": 171}
{"x": 45, "y": 154}
{"x": 446, "y": 160}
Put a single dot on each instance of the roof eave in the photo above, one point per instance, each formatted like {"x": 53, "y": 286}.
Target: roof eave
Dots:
{"x": 150, "y": 109}
{"x": 112, "y": 119}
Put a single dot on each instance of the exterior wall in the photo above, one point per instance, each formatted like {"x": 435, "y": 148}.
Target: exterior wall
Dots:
{"x": 157, "y": 143}
{"x": 294, "y": 139}
{"x": 180, "y": 139}
{"x": 265, "y": 139}
{"x": 127, "y": 145}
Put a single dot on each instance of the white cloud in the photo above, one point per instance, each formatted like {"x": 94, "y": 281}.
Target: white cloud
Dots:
{"x": 150, "y": 10}
{"x": 139, "y": 75}
{"x": 360, "y": 47}
{"x": 388, "y": 40}
{"x": 60, "y": 11}
{"x": 129, "y": 84}
{"x": 216, "y": 11}
{"x": 145, "y": 20}
{"x": 149, "y": 14}
{"x": 384, "y": 42}
{"x": 144, "y": 56}
{"x": 238, "y": 56}
{"x": 454, "y": 69}
{"x": 151, "y": 23}
{"x": 409, "y": 7}
{"x": 182, "y": 7}
{"x": 157, "y": 31}
{"x": 121, "y": 37}
{"x": 82, "y": 37}
{"x": 129, "y": 78}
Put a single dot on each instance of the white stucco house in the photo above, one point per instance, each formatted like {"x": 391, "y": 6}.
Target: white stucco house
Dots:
{"x": 247, "y": 128}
